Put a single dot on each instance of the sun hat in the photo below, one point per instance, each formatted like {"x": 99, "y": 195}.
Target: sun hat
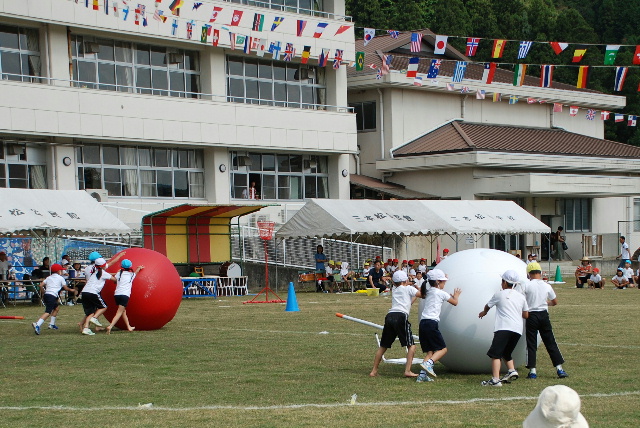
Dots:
{"x": 56, "y": 267}
{"x": 126, "y": 264}
{"x": 585, "y": 259}
{"x": 400, "y": 276}
{"x": 94, "y": 256}
{"x": 100, "y": 261}
{"x": 511, "y": 276}
{"x": 534, "y": 266}
{"x": 436, "y": 275}
{"x": 558, "y": 406}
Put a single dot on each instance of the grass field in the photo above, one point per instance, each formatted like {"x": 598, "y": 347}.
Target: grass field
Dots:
{"x": 221, "y": 363}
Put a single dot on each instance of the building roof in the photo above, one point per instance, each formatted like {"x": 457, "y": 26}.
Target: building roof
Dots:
{"x": 459, "y": 136}
{"x": 390, "y": 189}
{"x": 399, "y": 49}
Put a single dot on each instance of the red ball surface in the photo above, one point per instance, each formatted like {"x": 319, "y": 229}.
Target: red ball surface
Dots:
{"x": 156, "y": 293}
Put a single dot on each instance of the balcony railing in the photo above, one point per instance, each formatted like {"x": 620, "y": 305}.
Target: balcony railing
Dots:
{"x": 293, "y": 9}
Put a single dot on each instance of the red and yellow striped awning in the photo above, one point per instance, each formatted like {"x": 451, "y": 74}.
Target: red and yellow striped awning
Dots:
{"x": 192, "y": 233}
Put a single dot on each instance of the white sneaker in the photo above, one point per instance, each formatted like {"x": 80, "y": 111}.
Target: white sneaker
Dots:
{"x": 428, "y": 368}
{"x": 88, "y": 332}
{"x": 95, "y": 321}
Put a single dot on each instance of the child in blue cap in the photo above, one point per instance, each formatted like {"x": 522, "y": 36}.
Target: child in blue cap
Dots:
{"x": 123, "y": 291}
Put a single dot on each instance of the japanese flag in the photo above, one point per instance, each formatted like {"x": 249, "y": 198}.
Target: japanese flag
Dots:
{"x": 441, "y": 45}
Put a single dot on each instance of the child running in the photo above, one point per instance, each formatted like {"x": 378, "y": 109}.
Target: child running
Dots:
{"x": 511, "y": 307}
{"x": 431, "y": 339}
{"x": 53, "y": 283}
{"x": 123, "y": 291}
{"x": 396, "y": 323}
{"x": 92, "y": 302}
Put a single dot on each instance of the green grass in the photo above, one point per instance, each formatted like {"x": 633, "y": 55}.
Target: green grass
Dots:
{"x": 223, "y": 353}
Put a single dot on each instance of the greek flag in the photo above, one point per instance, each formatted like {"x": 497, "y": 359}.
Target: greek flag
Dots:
{"x": 460, "y": 70}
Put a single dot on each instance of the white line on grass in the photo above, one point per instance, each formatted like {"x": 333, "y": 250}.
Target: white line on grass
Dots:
{"x": 600, "y": 346}
{"x": 303, "y": 406}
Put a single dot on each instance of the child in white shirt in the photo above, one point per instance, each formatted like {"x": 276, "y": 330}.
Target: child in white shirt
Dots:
{"x": 51, "y": 286}
{"x": 595, "y": 280}
{"x": 620, "y": 281}
{"x": 123, "y": 291}
{"x": 628, "y": 273}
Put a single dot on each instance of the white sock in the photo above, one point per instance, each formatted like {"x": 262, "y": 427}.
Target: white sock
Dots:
{"x": 40, "y": 322}
{"x": 52, "y": 321}
{"x": 559, "y": 367}
{"x": 532, "y": 370}
{"x": 512, "y": 370}
{"x": 495, "y": 379}
{"x": 430, "y": 361}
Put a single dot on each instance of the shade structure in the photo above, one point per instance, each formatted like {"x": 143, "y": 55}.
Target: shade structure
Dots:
{"x": 193, "y": 233}
{"x": 331, "y": 218}
{"x": 49, "y": 213}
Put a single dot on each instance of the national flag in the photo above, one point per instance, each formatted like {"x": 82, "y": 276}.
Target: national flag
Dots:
{"x": 618, "y": 117}
{"x": 621, "y": 75}
{"x": 261, "y": 47}
{"x": 232, "y": 41}
{"x": 480, "y": 94}
{"x": 323, "y": 58}
{"x": 236, "y": 18}
{"x": 342, "y": 29}
{"x": 440, "y": 45}
{"x": 578, "y": 54}
{"x": 158, "y": 15}
{"x": 359, "y": 61}
{"x": 196, "y": 5}
{"x": 489, "y": 72}
{"x": 464, "y": 90}
{"x": 558, "y": 47}
{"x": 610, "y": 53}
{"x": 174, "y": 27}
{"x": 136, "y": 19}
{"x": 379, "y": 74}
{"x": 289, "y": 52}
{"x": 372, "y": 66}
{"x": 258, "y": 22}
{"x": 459, "y": 71}
{"x": 143, "y": 14}
{"x": 497, "y": 97}
{"x": 513, "y": 99}
{"x": 546, "y": 76}
{"x": 498, "y": 48}
{"x": 125, "y": 12}
{"x": 216, "y": 37}
{"x": 472, "y": 46}
{"x": 631, "y": 120}
{"x": 204, "y": 33}
{"x": 416, "y": 42}
{"x": 434, "y": 68}
{"x": 320, "y": 29}
{"x": 451, "y": 87}
{"x": 300, "y": 27}
{"x": 417, "y": 81}
{"x": 393, "y": 33}
{"x": 519, "y": 73}
{"x": 189, "y": 30}
{"x": 276, "y": 22}
{"x": 386, "y": 61}
{"x": 306, "y": 53}
{"x": 369, "y": 34}
{"x": 531, "y": 101}
{"x": 557, "y": 107}
{"x": 275, "y": 49}
{"x": 247, "y": 45}
{"x": 106, "y": 7}
{"x": 523, "y": 51}
{"x": 636, "y": 56}
{"x": 95, "y": 5}
{"x": 337, "y": 58}
{"x": 591, "y": 114}
{"x": 412, "y": 69}
{"x": 175, "y": 6}
{"x": 214, "y": 14}
{"x": 116, "y": 10}
{"x": 604, "y": 115}
{"x": 573, "y": 110}
{"x": 584, "y": 73}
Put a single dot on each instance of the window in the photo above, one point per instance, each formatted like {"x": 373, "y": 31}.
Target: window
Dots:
{"x": 307, "y": 7}
{"x": 22, "y": 166}
{"x": 577, "y": 215}
{"x": 19, "y": 53}
{"x": 279, "y": 177}
{"x": 115, "y": 65}
{"x": 365, "y": 115}
{"x": 141, "y": 171}
{"x": 274, "y": 83}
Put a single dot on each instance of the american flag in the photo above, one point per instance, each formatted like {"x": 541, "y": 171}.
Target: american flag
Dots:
{"x": 417, "y": 81}
{"x": 472, "y": 46}
{"x": 385, "y": 64}
{"x": 450, "y": 86}
{"x": 393, "y": 33}
{"x": 158, "y": 15}
{"x": 591, "y": 114}
{"x": 416, "y": 42}
{"x": 524, "y": 49}
{"x": 480, "y": 95}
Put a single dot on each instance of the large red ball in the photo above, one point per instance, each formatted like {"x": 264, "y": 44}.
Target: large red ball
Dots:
{"x": 156, "y": 293}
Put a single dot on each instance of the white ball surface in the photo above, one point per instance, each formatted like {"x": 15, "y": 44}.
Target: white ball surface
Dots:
{"x": 477, "y": 273}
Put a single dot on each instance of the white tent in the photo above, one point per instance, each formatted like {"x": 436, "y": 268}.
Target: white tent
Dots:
{"x": 47, "y": 213}
{"x": 330, "y": 218}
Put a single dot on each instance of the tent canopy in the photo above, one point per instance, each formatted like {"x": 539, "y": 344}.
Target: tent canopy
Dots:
{"x": 193, "y": 233}
{"x": 55, "y": 212}
{"x": 329, "y": 218}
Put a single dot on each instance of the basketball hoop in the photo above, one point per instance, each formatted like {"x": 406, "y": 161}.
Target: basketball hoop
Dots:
{"x": 265, "y": 229}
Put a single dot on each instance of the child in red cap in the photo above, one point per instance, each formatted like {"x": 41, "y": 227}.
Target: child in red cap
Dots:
{"x": 51, "y": 287}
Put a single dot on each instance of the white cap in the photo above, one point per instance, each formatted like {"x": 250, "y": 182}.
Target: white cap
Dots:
{"x": 436, "y": 275}
{"x": 558, "y": 406}
{"x": 400, "y": 276}
{"x": 100, "y": 261}
{"x": 511, "y": 276}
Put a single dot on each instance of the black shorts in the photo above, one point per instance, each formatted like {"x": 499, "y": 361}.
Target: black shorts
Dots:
{"x": 50, "y": 303}
{"x": 396, "y": 324}
{"x": 504, "y": 342}
{"x": 431, "y": 339}
{"x": 584, "y": 279}
{"x": 91, "y": 303}
{"x": 121, "y": 300}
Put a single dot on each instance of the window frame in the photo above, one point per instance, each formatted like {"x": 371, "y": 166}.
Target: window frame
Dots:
{"x": 21, "y": 51}
{"x": 573, "y": 210}
{"x": 361, "y": 120}
{"x": 25, "y": 160}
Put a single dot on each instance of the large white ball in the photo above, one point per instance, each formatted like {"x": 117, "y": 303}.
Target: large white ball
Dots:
{"x": 478, "y": 274}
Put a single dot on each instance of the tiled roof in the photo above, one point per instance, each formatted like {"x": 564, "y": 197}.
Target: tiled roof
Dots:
{"x": 401, "y": 55}
{"x": 391, "y": 189}
{"x": 458, "y": 136}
